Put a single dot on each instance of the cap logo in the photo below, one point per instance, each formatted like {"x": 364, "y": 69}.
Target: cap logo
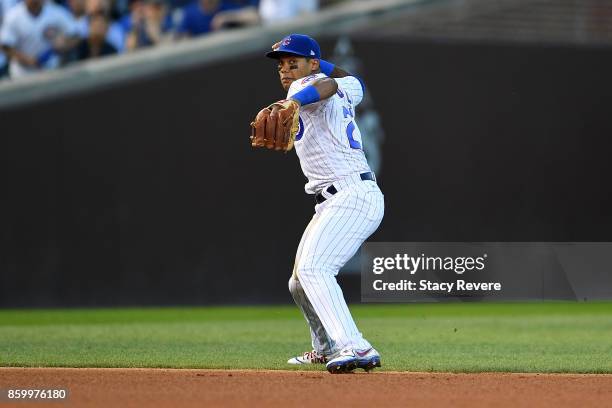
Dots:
{"x": 312, "y": 52}
{"x": 286, "y": 41}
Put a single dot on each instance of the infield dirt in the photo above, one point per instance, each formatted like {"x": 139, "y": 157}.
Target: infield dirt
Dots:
{"x": 114, "y": 387}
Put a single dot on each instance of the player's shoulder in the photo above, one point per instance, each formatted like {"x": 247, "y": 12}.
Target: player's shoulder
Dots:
{"x": 352, "y": 86}
{"x": 349, "y": 81}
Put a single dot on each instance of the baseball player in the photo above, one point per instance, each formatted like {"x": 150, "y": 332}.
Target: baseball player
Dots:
{"x": 349, "y": 205}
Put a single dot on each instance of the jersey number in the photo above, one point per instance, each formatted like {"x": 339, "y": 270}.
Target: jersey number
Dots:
{"x": 300, "y": 132}
{"x": 350, "y": 128}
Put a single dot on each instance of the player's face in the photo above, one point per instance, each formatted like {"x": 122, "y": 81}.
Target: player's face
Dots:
{"x": 292, "y": 67}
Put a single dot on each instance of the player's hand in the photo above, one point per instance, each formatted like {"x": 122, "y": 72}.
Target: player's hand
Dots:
{"x": 276, "y": 126}
{"x": 276, "y": 46}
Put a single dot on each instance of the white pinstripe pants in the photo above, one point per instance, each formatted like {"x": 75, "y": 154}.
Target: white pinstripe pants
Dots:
{"x": 335, "y": 233}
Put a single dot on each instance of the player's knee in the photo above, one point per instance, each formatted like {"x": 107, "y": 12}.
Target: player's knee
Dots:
{"x": 304, "y": 273}
{"x": 293, "y": 285}
{"x": 314, "y": 270}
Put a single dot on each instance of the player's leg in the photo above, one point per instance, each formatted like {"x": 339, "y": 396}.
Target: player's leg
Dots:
{"x": 321, "y": 342}
{"x": 345, "y": 222}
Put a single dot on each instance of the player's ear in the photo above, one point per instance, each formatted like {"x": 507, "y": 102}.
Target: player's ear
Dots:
{"x": 314, "y": 65}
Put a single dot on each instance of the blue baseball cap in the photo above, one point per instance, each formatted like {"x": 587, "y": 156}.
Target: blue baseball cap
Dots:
{"x": 297, "y": 44}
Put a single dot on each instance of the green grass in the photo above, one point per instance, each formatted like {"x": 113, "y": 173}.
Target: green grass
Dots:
{"x": 474, "y": 337}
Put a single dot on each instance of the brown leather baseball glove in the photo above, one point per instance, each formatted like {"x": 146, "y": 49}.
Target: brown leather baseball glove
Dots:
{"x": 275, "y": 127}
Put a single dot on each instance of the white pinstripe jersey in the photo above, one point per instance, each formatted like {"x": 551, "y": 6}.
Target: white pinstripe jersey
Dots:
{"x": 328, "y": 143}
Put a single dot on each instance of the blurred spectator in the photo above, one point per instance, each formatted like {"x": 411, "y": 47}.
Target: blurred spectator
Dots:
{"x": 5, "y": 6}
{"x": 203, "y": 16}
{"x": 136, "y": 11}
{"x": 77, "y": 9}
{"x": 35, "y": 34}
{"x": 148, "y": 24}
{"x": 197, "y": 17}
{"x": 236, "y": 14}
{"x": 95, "y": 45}
{"x": 272, "y": 11}
{"x": 40, "y": 34}
{"x": 114, "y": 35}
